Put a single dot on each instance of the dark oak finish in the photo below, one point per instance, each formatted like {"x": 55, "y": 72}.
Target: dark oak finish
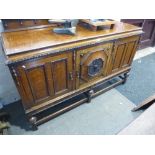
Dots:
{"x": 49, "y": 68}
{"x": 44, "y": 38}
{"x": 88, "y": 55}
{"x": 46, "y": 78}
{"x": 123, "y": 53}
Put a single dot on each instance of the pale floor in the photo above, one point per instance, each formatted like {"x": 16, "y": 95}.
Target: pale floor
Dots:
{"x": 107, "y": 114}
{"x": 143, "y": 125}
{"x": 144, "y": 52}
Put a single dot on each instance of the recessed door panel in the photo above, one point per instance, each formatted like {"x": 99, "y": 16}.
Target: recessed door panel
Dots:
{"x": 38, "y": 82}
{"x": 128, "y": 53}
{"x": 118, "y": 56}
{"x": 59, "y": 70}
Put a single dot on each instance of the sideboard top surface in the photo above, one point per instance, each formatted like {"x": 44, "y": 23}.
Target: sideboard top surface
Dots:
{"x": 20, "y": 42}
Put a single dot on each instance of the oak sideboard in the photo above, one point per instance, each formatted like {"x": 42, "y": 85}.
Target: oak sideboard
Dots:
{"x": 51, "y": 70}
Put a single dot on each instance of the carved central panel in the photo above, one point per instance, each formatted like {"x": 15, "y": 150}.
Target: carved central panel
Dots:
{"x": 95, "y": 67}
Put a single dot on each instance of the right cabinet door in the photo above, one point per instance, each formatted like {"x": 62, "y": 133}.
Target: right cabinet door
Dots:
{"x": 123, "y": 53}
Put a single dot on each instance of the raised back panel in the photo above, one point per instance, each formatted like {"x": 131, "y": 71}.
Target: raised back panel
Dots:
{"x": 59, "y": 70}
{"x": 38, "y": 82}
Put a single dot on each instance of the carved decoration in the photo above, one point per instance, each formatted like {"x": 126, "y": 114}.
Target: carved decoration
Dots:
{"x": 9, "y": 62}
{"x": 92, "y": 64}
{"x": 95, "y": 67}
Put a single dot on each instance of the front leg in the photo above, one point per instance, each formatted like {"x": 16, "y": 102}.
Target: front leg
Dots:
{"x": 89, "y": 95}
{"x": 125, "y": 78}
{"x": 33, "y": 121}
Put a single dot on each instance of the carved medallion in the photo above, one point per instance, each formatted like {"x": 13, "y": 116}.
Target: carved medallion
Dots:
{"x": 95, "y": 67}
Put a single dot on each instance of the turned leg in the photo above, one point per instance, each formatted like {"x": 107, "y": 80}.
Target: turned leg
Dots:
{"x": 125, "y": 78}
{"x": 89, "y": 95}
{"x": 33, "y": 121}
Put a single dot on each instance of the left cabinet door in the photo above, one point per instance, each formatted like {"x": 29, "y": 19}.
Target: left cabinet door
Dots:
{"x": 45, "y": 79}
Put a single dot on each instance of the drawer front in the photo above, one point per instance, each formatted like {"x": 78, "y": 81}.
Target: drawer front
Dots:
{"x": 92, "y": 63}
{"x": 45, "y": 79}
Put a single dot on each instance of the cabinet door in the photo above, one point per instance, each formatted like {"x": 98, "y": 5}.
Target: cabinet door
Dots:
{"x": 92, "y": 63}
{"x": 123, "y": 53}
{"x": 46, "y": 78}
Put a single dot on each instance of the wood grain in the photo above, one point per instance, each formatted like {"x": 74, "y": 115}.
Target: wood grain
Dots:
{"x": 49, "y": 68}
{"x": 26, "y": 40}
